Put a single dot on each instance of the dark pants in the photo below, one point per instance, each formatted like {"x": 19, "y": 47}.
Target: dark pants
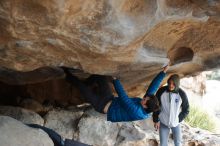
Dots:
{"x": 101, "y": 93}
{"x": 56, "y": 138}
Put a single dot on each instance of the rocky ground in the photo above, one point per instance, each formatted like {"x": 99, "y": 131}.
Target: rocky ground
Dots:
{"x": 89, "y": 127}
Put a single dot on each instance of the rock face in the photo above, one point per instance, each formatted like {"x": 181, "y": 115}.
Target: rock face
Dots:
{"x": 199, "y": 86}
{"x": 15, "y": 133}
{"x": 63, "y": 122}
{"x": 128, "y": 38}
{"x": 137, "y": 36}
{"x": 98, "y": 131}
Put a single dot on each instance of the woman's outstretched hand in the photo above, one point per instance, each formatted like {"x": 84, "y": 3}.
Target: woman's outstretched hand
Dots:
{"x": 114, "y": 78}
{"x": 165, "y": 68}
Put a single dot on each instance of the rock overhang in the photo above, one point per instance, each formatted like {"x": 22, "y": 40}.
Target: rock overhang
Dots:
{"x": 129, "y": 38}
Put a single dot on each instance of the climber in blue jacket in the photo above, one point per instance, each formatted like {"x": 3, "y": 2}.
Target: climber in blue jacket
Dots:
{"x": 121, "y": 108}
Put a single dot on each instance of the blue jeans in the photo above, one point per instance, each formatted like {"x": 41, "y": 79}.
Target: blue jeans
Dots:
{"x": 56, "y": 138}
{"x": 164, "y": 135}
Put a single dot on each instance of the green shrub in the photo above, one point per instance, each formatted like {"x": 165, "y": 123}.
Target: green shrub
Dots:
{"x": 215, "y": 75}
{"x": 200, "y": 118}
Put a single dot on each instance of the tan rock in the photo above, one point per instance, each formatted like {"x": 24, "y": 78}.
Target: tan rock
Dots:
{"x": 21, "y": 114}
{"x": 130, "y": 38}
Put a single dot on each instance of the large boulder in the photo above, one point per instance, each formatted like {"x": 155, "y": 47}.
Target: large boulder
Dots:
{"x": 21, "y": 114}
{"x": 15, "y": 133}
{"x": 63, "y": 122}
{"x": 95, "y": 130}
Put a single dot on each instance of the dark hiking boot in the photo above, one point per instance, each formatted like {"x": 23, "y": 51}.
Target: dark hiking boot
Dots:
{"x": 69, "y": 75}
{"x": 68, "y": 70}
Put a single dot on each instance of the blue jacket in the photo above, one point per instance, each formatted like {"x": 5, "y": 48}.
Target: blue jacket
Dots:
{"x": 124, "y": 108}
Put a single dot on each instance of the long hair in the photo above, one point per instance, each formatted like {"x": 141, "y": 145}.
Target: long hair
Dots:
{"x": 152, "y": 104}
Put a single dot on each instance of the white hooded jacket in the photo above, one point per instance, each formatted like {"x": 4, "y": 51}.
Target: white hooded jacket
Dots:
{"x": 174, "y": 107}
{"x": 170, "y": 109}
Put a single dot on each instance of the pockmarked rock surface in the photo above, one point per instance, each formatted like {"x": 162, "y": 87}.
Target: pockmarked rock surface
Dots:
{"x": 127, "y": 38}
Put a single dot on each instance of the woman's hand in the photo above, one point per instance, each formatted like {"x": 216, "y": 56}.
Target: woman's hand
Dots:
{"x": 157, "y": 125}
{"x": 114, "y": 78}
{"x": 165, "y": 68}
